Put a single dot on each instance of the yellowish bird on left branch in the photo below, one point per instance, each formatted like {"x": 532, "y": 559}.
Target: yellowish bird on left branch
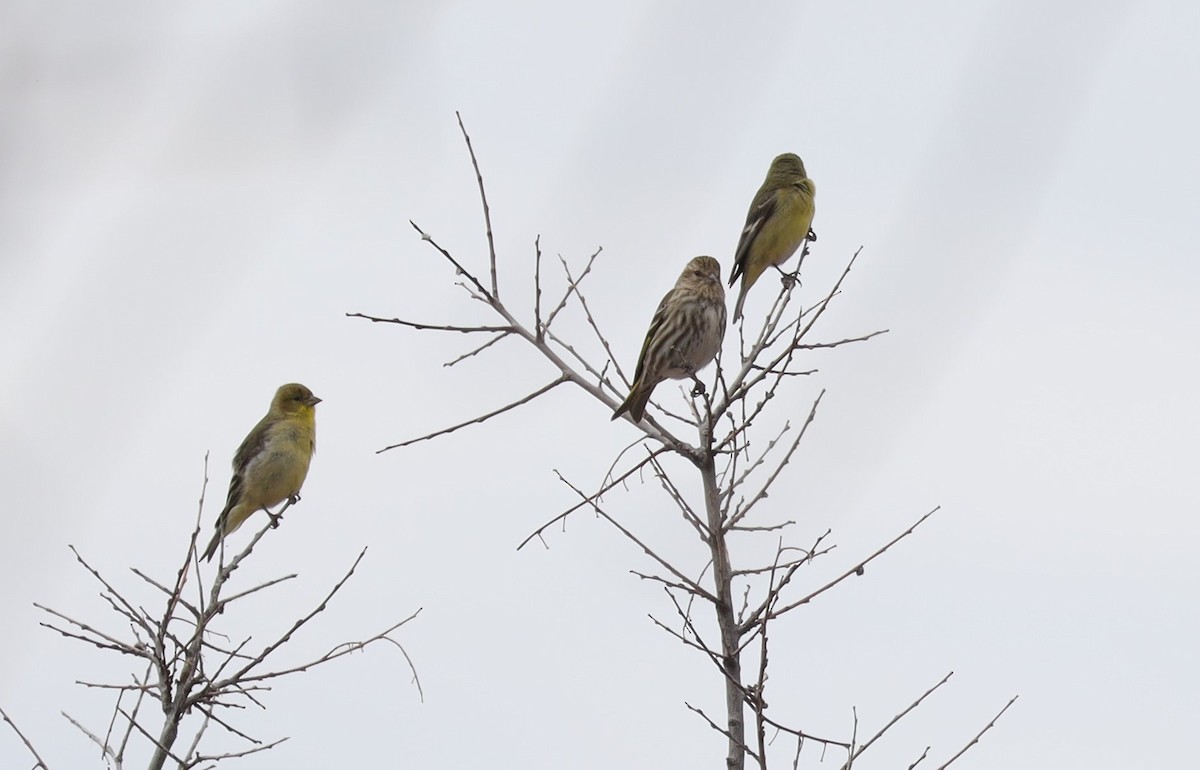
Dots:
{"x": 272, "y": 462}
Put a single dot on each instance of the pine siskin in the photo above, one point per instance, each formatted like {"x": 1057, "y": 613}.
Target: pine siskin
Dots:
{"x": 685, "y": 333}
{"x": 272, "y": 462}
{"x": 778, "y": 222}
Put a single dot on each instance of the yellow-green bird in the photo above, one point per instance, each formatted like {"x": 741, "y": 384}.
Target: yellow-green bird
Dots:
{"x": 779, "y": 220}
{"x": 270, "y": 465}
{"x": 685, "y": 333}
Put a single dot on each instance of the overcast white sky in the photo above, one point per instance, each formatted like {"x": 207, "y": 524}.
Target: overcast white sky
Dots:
{"x": 192, "y": 197}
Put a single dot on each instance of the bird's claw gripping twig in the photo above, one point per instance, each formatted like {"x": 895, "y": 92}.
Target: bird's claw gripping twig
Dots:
{"x": 788, "y": 279}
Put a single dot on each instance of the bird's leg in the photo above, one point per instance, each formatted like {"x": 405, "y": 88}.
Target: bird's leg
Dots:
{"x": 688, "y": 371}
{"x": 788, "y": 279}
{"x": 278, "y": 517}
{"x": 794, "y": 276}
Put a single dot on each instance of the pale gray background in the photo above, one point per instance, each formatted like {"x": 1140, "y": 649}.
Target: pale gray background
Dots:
{"x": 191, "y": 197}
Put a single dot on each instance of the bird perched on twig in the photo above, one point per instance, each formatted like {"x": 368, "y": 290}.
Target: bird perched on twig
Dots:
{"x": 270, "y": 465}
{"x": 685, "y": 334}
{"x": 779, "y": 220}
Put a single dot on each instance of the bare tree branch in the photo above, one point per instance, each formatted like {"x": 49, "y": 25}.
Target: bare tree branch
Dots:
{"x": 858, "y": 751}
{"x": 726, "y": 419}
{"x": 40, "y": 762}
{"x": 433, "y": 327}
{"x": 691, "y": 586}
{"x": 177, "y": 664}
{"x": 483, "y": 418}
{"x": 979, "y": 734}
{"x": 487, "y": 214}
{"x": 857, "y": 569}
{"x": 590, "y": 498}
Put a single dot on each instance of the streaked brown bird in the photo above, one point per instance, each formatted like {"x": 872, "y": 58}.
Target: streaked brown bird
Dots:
{"x": 685, "y": 333}
{"x": 779, "y": 220}
{"x": 272, "y": 462}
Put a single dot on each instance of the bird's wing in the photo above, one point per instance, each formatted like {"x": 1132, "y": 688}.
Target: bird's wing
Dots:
{"x": 660, "y": 316}
{"x": 755, "y": 219}
{"x": 252, "y": 446}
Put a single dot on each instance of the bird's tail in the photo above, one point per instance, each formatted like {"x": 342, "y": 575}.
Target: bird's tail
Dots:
{"x": 230, "y": 519}
{"x": 741, "y": 300}
{"x": 212, "y": 545}
{"x": 635, "y": 404}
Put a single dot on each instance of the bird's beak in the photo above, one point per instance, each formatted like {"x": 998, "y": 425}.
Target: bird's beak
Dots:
{"x": 313, "y": 401}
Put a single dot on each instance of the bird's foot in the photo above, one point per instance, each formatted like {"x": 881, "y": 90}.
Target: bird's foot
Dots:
{"x": 788, "y": 279}
{"x": 698, "y": 388}
{"x": 278, "y": 517}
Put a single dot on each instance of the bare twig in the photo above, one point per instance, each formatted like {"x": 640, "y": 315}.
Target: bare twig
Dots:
{"x": 482, "y": 418}
{"x": 979, "y": 734}
{"x": 724, "y": 732}
{"x": 433, "y": 327}
{"x": 762, "y": 492}
{"x": 590, "y": 500}
{"x": 40, "y": 762}
{"x": 857, "y": 569}
{"x": 612, "y": 484}
{"x": 476, "y": 350}
{"x": 487, "y": 214}
{"x": 858, "y": 751}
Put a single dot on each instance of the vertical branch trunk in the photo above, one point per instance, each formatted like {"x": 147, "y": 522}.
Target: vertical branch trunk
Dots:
{"x": 165, "y": 741}
{"x": 174, "y": 708}
{"x": 731, "y": 662}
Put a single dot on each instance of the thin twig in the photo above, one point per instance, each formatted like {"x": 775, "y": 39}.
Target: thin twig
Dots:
{"x": 857, "y": 752}
{"x": 979, "y": 734}
{"x": 431, "y": 327}
{"x": 487, "y": 214}
{"x": 588, "y": 500}
{"x": 483, "y": 418}
{"x": 591, "y": 501}
{"x": 857, "y": 569}
{"x": 723, "y": 731}
{"x": 483, "y": 293}
{"x": 40, "y": 762}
